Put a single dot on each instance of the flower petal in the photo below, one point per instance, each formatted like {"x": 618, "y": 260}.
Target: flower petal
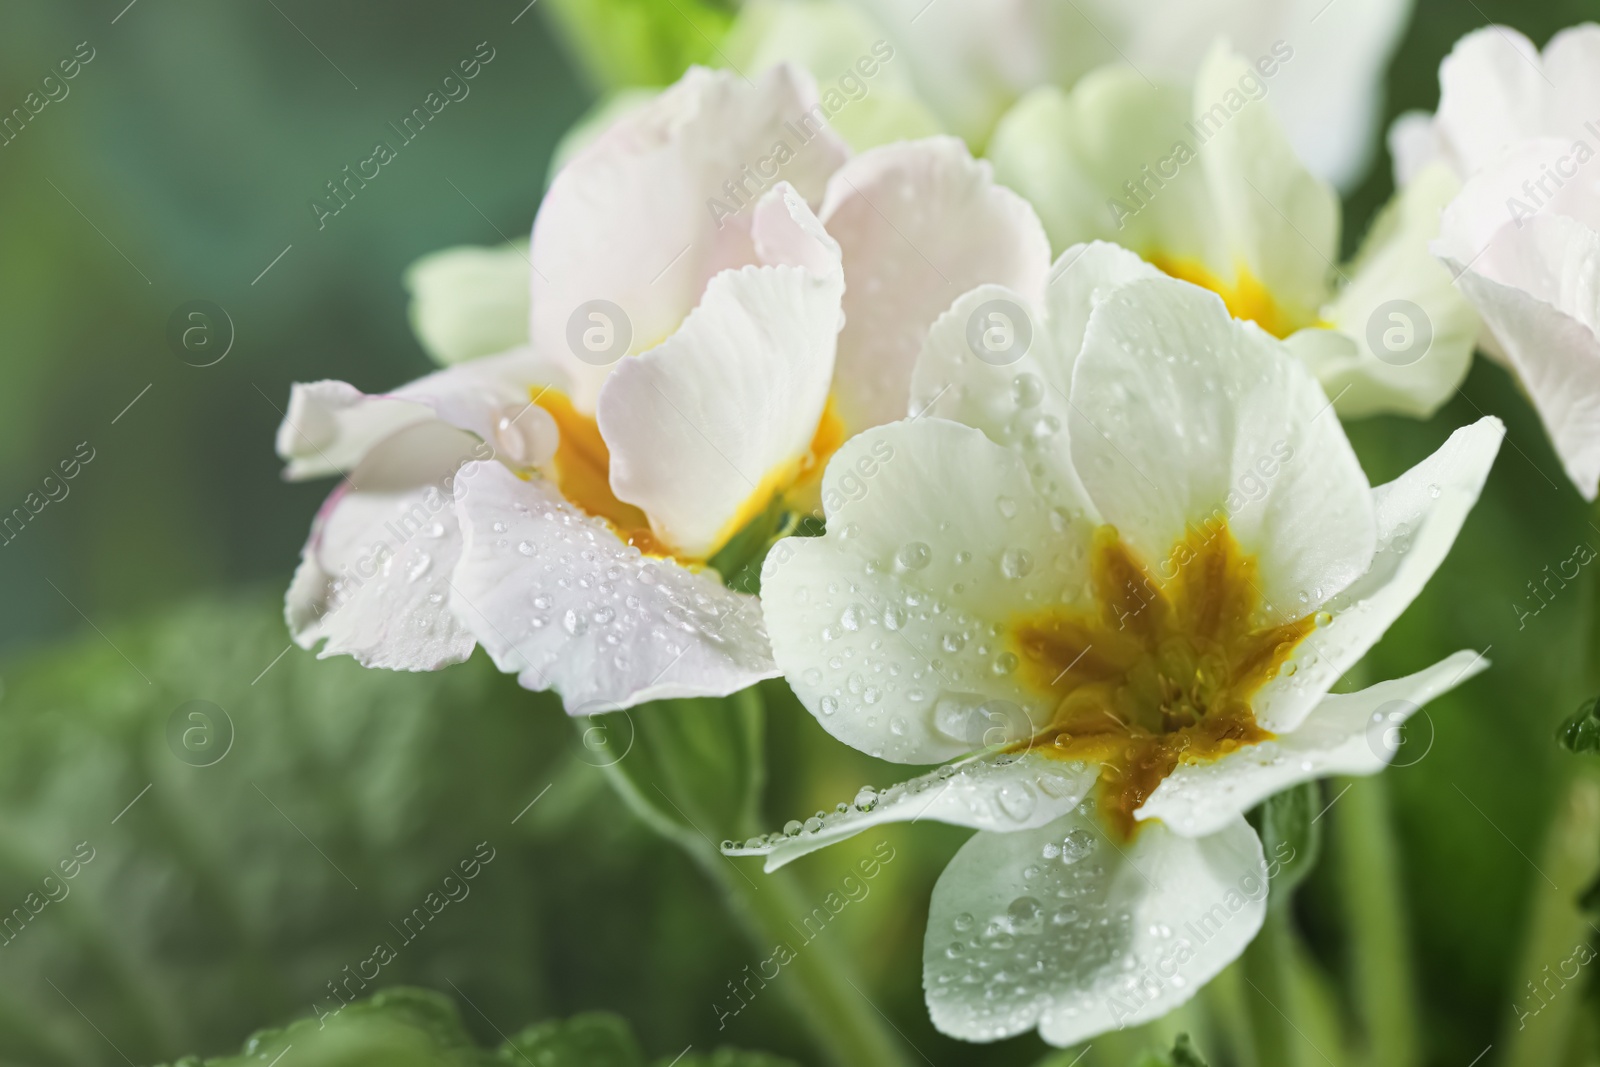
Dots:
{"x": 887, "y": 626}
{"x": 1396, "y": 285}
{"x": 919, "y": 224}
{"x": 1419, "y": 515}
{"x": 332, "y": 426}
{"x": 995, "y": 362}
{"x": 705, "y": 430}
{"x": 1063, "y": 929}
{"x": 656, "y": 206}
{"x": 374, "y": 577}
{"x": 468, "y": 302}
{"x": 555, "y": 596}
{"x": 1071, "y": 153}
{"x": 1348, "y": 733}
{"x": 1555, "y": 355}
{"x": 1004, "y": 793}
{"x": 1186, "y": 433}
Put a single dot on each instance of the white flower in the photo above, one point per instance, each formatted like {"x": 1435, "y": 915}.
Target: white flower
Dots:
{"x": 1523, "y": 236}
{"x": 1205, "y": 186}
{"x": 972, "y": 59}
{"x": 678, "y": 383}
{"x": 1118, "y": 592}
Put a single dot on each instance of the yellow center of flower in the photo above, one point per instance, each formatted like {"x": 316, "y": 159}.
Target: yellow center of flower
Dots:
{"x": 581, "y": 469}
{"x": 1153, "y": 676}
{"x": 1246, "y": 297}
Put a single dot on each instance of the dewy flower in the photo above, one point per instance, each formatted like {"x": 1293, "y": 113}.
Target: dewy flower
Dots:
{"x": 1205, "y": 186}
{"x": 565, "y": 504}
{"x": 1117, "y": 592}
{"x": 972, "y": 59}
{"x": 1523, "y": 236}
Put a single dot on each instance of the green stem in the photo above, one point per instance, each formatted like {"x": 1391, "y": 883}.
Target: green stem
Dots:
{"x": 694, "y": 771}
{"x": 846, "y": 1024}
{"x": 1545, "y": 1011}
{"x": 1383, "y": 982}
{"x": 1280, "y": 1006}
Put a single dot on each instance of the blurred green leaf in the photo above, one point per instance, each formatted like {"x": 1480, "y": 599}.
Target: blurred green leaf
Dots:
{"x": 221, "y": 898}
{"x": 1290, "y": 836}
{"x": 1580, "y": 731}
{"x": 416, "y": 1028}
{"x": 640, "y": 42}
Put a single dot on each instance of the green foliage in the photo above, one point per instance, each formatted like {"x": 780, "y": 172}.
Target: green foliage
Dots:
{"x": 640, "y": 42}
{"x": 1580, "y": 731}
{"x": 416, "y": 1028}
{"x": 1290, "y": 836}
{"x": 225, "y": 897}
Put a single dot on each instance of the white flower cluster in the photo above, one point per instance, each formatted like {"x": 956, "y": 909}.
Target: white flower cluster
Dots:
{"x": 1092, "y": 536}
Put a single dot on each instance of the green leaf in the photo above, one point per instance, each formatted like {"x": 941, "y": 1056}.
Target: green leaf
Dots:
{"x": 640, "y": 42}
{"x": 417, "y": 1028}
{"x": 1290, "y": 836}
{"x": 1580, "y": 731}
{"x": 216, "y": 900}
{"x": 1184, "y": 1054}
{"x": 397, "y": 1028}
{"x": 595, "y": 1039}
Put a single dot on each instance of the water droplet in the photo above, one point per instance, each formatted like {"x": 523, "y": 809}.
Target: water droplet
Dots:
{"x": 913, "y": 556}
{"x": 526, "y": 548}
{"x": 1015, "y": 563}
{"x": 866, "y": 798}
{"x": 828, "y": 705}
{"x": 1007, "y": 506}
{"x": 1016, "y": 799}
{"x": 1023, "y": 910}
{"x": 1077, "y": 845}
{"x": 852, "y": 617}
{"x": 574, "y": 623}
{"x": 1026, "y": 390}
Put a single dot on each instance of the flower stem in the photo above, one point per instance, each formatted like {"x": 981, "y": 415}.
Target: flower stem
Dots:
{"x": 694, "y": 771}
{"x": 1545, "y": 1012}
{"x": 1383, "y": 982}
{"x": 846, "y": 1024}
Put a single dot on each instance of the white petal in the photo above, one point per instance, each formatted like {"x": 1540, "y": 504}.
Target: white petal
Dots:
{"x": 995, "y": 362}
{"x": 919, "y": 224}
{"x": 553, "y": 595}
{"x": 331, "y": 426}
{"x": 634, "y": 218}
{"x": 889, "y": 627}
{"x": 1349, "y": 733}
{"x": 1555, "y": 354}
{"x": 1004, "y": 793}
{"x": 374, "y": 578}
{"x": 1018, "y": 938}
{"x": 1071, "y": 153}
{"x": 1400, "y": 295}
{"x": 1180, "y": 414}
{"x": 1277, "y": 219}
{"x": 705, "y": 430}
{"x": 1418, "y": 515}
{"x": 469, "y": 302}
{"x": 1415, "y": 144}
{"x": 1491, "y": 94}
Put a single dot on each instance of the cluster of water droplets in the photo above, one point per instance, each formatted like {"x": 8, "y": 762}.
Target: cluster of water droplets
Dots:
{"x": 576, "y": 579}
{"x": 1001, "y": 792}
{"x": 1058, "y": 937}
{"x": 905, "y": 644}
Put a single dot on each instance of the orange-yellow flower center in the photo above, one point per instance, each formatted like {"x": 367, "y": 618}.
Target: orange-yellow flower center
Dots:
{"x": 1245, "y": 296}
{"x": 581, "y": 469}
{"x": 1155, "y": 675}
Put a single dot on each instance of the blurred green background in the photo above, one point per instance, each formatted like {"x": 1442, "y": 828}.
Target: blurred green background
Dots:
{"x": 226, "y": 897}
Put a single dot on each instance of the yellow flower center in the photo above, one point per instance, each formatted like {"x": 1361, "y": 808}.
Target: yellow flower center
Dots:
{"x": 1154, "y": 676}
{"x": 1246, "y": 297}
{"x": 581, "y": 469}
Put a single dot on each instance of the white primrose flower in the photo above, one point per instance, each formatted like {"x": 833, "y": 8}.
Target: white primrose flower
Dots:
{"x": 1116, "y": 594}
{"x": 1523, "y": 235}
{"x": 1204, "y": 185}
{"x": 972, "y": 59}
{"x": 564, "y": 504}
